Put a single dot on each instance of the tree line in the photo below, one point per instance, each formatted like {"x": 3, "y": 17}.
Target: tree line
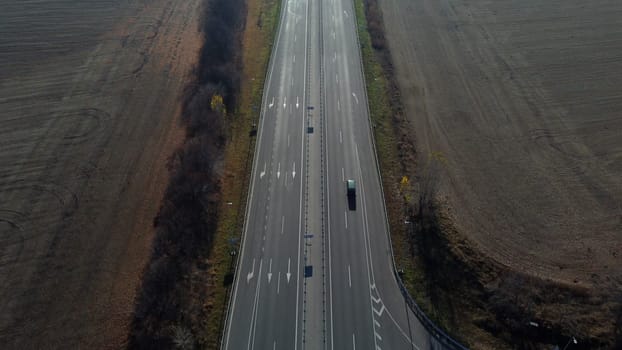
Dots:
{"x": 169, "y": 310}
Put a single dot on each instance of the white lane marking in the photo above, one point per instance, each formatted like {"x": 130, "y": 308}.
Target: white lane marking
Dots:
{"x": 376, "y": 323}
{"x": 297, "y": 104}
{"x": 278, "y": 283}
{"x": 355, "y": 98}
{"x": 337, "y": 78}
{"x": 375, "y": 300}
{"x": 295, "y": 38}
{"x": 343, "y": 175}
{"x": 294, "y": 171}
{"x": 378, "y": 336}
{"x": 251, "y": 332}
{"x": 270, "y": 272}
{"x": 379, "y": 313}
{"x": 274, "y": 345}
{"x": 271, "y": 103}
{"x": 345, "y": 13}
{"x": 263, "y": 172}
{"x": 250, "y": 275}
{"x": 285, "y": 101}
{"x": 353, "y": 342}
{"x": 368, "y": 258}
{"x": 335, "y": 58}
{"x": 340, "y": 137}
{"x": 294, "y": 58}
{"x": 288, "y": 274}
{"x": 401, "y": 331}
{"x": 349, "y": 277}
{"x": 338, "y": 105}
{"x": 278, "y": 172}
{"x": 282, "y": 223}
{"x": 345, "y": 215}
{"x": 287, "y": 140}
{"x": 291, "y": 84}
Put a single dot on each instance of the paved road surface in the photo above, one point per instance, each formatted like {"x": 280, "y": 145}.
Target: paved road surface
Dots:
{"x": 314, "y": 271}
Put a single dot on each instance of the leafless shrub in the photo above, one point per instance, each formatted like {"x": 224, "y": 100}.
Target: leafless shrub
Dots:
{"x": 182, "y": 338}
{"x": 374, "y": 24}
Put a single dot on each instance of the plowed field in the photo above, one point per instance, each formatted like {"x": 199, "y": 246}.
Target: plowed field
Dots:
{"x": 89, "y": 98}
{"x": 524, "y": 100}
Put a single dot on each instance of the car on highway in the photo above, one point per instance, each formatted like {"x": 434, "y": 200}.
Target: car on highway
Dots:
{"x": 351, "y": 188}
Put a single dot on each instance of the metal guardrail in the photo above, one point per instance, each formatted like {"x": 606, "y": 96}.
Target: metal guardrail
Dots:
{"x": 429, "y": 325}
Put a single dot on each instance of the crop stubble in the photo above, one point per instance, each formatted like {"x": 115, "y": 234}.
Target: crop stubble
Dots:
{"x": 89, "y": 94}
{"x": 523, "y": 99}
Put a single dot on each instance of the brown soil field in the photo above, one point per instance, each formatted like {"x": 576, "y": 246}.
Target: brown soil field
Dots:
{"x": 89, "y": 99}
{"x": 523, "y": 100}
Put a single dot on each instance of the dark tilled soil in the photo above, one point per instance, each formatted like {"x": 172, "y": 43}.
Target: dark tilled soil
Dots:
{"x": 89, "y": 97}
{"x": 522, "y": 98}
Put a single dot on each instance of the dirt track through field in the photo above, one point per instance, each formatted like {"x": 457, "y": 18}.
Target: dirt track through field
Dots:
{"x": 524, "y": 100}
{"x": 89, "y": 98}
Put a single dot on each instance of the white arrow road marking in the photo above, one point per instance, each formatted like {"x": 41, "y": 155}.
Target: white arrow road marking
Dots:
{"x": 271, "y": 103}
{"x": 263, "y": 172}
{"x": 353, "y": 342}
{"x": 355, "y": 98}
{"x": 270, "y": 272}
{"x": 282, "y": 223}
{"x": 251, "y": 274}
{"x": 338, "y": 105}
{"x": 288, "y": 275}
{"x": 297, "y": 102}
{"x": 375, "y": 300}
{"x": 340, "y": 137}
{"x": 337, "y": 78}
{"x": 285, "y": 100}
{"x": 345, "y": 215}
{"x": 294, "y": 171}
{"x": 278, "y": 172}
{"x": 278, "y": 283}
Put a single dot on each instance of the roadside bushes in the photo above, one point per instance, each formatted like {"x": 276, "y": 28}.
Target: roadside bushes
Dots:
{"x": 374, "y": 25}
{"x": 169, "y": 309}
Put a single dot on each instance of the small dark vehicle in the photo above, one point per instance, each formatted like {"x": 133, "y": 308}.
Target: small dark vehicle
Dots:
{"x": 351, "y": 190}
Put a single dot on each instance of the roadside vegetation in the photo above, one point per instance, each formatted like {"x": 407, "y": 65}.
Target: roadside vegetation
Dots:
{"x": 182, "y": 299}
{"x": 474, "y": 299}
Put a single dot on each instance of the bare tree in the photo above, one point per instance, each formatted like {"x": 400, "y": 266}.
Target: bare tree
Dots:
{"x": 429, "y": 183}
{"x": 182, "y": 338}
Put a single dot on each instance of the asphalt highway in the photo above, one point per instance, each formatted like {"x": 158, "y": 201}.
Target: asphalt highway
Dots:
{"x": 315, "y": 271}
